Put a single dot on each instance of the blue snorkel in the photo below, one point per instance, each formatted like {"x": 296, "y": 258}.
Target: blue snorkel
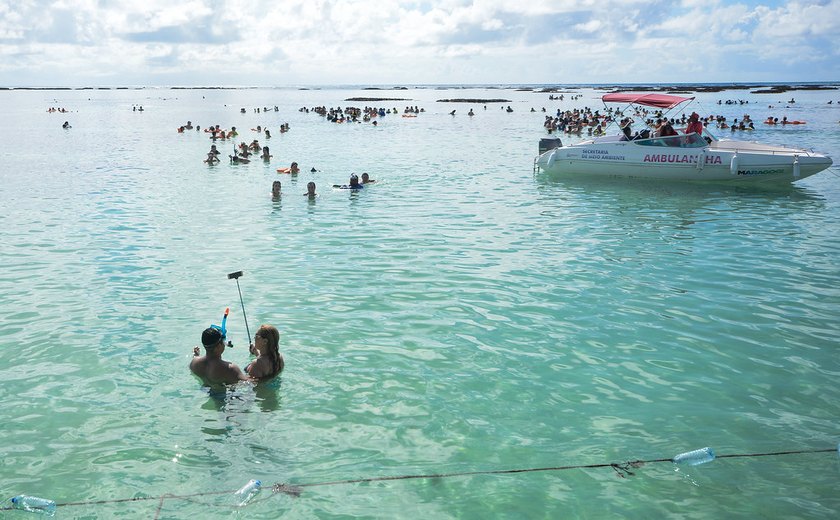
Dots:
{"x": 223, "y": 327}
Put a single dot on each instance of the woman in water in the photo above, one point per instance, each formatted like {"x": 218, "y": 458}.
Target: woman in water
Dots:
{"x": 266, "y": 347}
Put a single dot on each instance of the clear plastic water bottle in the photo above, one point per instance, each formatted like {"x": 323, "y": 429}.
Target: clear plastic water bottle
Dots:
{"x": 247, "y": 492}
{"x": 34, "y": 504}
{"x": 693, "y": 458}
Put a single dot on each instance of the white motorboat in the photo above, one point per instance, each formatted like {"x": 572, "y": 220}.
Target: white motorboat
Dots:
{"x": 684, "y": 156}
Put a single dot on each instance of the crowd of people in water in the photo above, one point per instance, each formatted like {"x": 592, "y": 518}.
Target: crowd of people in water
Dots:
{"x": 594, "y": 123}
{"x": 576, "y": 121}
{"x": 359, "y": 115}
{"x": 245, "y": 152}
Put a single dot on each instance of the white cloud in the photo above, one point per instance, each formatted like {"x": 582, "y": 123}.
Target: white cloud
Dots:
{"x": 591, "y": 26}
{"x": 431, "y": 41}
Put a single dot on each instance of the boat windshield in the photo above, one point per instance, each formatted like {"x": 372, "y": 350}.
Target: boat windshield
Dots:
{"x": 677, "y": 141}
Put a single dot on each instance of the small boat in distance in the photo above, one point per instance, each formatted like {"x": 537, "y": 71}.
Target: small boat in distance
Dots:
{"x": 684, "y": 157}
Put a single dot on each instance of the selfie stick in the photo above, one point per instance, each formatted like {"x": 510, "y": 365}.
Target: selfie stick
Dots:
{"x": 235, "y": 276}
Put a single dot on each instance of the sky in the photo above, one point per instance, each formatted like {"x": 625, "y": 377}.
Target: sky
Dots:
{"x": 77, "y": 43}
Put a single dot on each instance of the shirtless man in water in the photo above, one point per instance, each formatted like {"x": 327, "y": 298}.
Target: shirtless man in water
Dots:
{"x": 211, "y": 368}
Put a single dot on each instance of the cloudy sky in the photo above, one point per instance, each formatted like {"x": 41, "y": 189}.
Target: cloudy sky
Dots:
{"x": 401, "y": 42}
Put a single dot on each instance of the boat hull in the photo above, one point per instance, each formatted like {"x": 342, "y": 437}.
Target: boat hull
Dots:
{"x": 723, "y": 161}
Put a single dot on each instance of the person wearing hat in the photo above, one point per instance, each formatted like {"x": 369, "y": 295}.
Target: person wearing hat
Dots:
{"x": 694, "y": 124}
{"x": 211, "y": 368}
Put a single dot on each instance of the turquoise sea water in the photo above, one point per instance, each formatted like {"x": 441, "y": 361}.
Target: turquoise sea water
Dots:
{"x": 462, "y": 314}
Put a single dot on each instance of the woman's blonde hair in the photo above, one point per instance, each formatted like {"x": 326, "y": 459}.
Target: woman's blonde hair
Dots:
{"x": 271, "y": 334}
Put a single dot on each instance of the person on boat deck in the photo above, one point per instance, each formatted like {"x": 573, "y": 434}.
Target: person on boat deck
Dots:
{"x": 694, "y": 124}
{"x": 269, "y": 360}
{"x": 666, "y": 129}
{"x": 626, "y": 128}
{"x": 211, "y": 368}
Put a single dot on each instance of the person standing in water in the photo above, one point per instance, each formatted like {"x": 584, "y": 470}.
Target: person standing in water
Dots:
{"x": 211, "y": 368}
{"x": 266, "y": 347}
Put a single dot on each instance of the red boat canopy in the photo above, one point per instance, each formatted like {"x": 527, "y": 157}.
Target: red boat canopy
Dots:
{"x": 646, "y": 99}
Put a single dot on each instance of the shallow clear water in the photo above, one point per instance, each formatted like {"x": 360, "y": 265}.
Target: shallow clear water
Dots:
{"x": 463, "y": 314}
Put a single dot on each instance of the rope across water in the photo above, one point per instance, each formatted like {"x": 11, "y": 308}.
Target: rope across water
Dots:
{"x": 622, "y": 469}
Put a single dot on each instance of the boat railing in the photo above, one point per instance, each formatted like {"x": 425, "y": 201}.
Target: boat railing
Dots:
{"x": 752, "y": 146}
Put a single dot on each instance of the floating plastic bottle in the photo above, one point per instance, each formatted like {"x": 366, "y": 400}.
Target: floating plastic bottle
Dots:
{"x": 696, "y": 457}
{"x": 34, "y": 504}
{"x": 247, "y": 492}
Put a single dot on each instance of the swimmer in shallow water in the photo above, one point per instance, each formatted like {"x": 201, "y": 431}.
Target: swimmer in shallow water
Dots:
{"x": 275, "y": 190}
{"x": 366, "y": 179}
{"x": 211, "y": 368}
{"x": 310, "y": 190}
{"x": 269, "y": 362}
{"x": 354, "y": 184}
